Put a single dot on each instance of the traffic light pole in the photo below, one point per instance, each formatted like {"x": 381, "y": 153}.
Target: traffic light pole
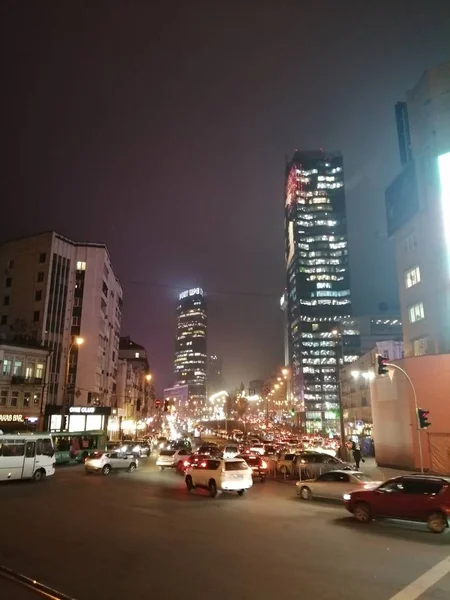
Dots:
{"x": 416, "y": 410}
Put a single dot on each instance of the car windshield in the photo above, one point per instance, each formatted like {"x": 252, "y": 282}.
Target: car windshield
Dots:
{"x": 167, "y": 453}
{"x": 231, "y": 449}
{"x": 237, "y": 465}
{"x": 253, "y": 461}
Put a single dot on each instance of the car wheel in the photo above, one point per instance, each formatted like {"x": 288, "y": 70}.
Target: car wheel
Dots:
{"x": 305, "y": 493}
{"x": 189, "y": 483}
{"x": 436, "y": 522}
{"x": 212, "y": 488}
{"x": 38, "y": 475}
{"x": 361, "y": 512}
{"x": 106, "y": 470}
{"x": 241, "y": 492}
{"x": 162, "y": 468}
{"x": 132, "y": 468}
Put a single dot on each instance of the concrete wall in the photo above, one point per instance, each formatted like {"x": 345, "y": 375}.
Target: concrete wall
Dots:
{"x": 393, "y": 411}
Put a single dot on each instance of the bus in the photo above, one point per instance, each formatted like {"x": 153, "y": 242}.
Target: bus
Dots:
{"x": 26, "y": 456}
{"x": 75, "y": 446}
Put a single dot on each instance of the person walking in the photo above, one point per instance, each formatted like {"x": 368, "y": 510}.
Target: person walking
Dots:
{"x": 356, "y": 455}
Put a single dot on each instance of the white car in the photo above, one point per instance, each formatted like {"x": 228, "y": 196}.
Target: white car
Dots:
{"x": 231, "y": 451}
{"x": 168, "y": 459}
{"x": 334, "y": 485}
{"x": 105, "y": 462}
{"x": 257, "y": 448}
{"x": 214, "y": 474}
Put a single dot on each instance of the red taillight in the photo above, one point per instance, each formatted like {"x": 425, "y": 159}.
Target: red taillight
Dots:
{"x": 186, "y": 463}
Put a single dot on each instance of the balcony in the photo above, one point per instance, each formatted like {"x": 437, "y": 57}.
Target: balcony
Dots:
{"x": 21, "y": 380}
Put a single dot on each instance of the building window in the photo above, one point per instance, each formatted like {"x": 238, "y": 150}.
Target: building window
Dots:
{"x": 40, "y": 277}
{"x": 136, "y": 355}
{"x": 29, "y": 370}
{"x": 77, "y": 302}
{"x": 14, "y": 399}
{"x": 4, "y": 320}
{"x": 75, "y": 321}
{"x": 410, "y": 242}
{"x": 36, "y": 315}
{"x": 26, "y": 399}
{"x": 420, "y": 347}
{"x": 38, "y": 295}
{"x": 3, "y": 397}
{"x": 8, "y": 282}
{"x": 39, "y": 370}
{"x": 37, "y": 398}
{"x": 18, "y": 365}
{"x": 42, "y": 257}
{"x": 6, "y": 370}
{"x": 6, "y": 301}
{"x": 412, "y": 277}
{"x": 81, "y": 265}
{"x": 416, "y": 312}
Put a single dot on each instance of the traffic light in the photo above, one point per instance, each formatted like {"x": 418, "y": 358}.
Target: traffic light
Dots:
{"x": 382, "y": 369}
{"x": 423, "y": 418}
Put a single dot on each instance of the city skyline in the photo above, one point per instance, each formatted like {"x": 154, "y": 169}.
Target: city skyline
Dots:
{"x": 159, "y": 180}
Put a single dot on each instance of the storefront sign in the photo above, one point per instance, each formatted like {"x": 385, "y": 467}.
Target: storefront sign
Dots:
{"x": 12, "y": 418}
{"x": 82, "y": 410}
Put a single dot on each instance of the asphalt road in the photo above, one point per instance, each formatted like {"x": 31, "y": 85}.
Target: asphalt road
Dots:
{"x": 143, "y": 536}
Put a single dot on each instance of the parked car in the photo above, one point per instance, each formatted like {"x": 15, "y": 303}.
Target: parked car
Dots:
{"x": 216, "y": 475}
{"x": 169, "y": 459}
{"x": 423, "y": 498}
{"x": 105, "y": 462}
{"x": 334, "y": 484}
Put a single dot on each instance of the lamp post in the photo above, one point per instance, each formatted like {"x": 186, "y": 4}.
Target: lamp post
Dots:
{"x": 76, "y": 341}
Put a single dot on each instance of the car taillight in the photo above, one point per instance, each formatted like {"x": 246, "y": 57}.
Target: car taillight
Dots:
{"x": 186, "y": 463}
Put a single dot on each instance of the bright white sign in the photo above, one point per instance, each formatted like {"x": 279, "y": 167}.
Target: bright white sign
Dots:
{"x": 191, "y": 292}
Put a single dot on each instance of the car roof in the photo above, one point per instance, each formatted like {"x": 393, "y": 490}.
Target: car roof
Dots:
{"x": 425, "y": 476}
{"x": 233, "y": 459}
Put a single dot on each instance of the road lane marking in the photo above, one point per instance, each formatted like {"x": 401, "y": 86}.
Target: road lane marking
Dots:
{"x": 424, "y": 582}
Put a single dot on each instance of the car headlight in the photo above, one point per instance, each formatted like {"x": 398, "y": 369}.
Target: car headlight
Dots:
{"x": 347, "y": 497}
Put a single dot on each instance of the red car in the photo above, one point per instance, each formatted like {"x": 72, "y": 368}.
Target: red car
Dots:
{"x": 423, "y": 498}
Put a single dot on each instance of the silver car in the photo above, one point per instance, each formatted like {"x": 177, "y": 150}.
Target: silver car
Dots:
{"x": 105, "y": 462}
{"x": 313, "y": 464}
{"x": 334, "y": 484}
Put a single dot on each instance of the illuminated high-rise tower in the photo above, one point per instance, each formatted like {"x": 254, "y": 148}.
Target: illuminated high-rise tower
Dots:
{"x": 190, "y": 350}
{"x": 321, "y": 334}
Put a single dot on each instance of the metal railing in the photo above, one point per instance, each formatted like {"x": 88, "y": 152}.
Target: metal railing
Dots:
{"x": 37, "y": 588}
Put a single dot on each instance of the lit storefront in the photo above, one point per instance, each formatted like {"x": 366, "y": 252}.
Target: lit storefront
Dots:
{"x": 77, "y": 418}
{"x": 18, "y": 422}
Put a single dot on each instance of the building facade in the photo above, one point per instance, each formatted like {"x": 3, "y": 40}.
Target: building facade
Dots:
{"x": 135, "y": 394}
{"x": 318, "y": 286}
{"x": 356, "y": 381}
{"x": 191, "y": 347}
{"x": 216, "y": 381}
{"x": 418, "y": 218}
{"x": 378, "y": 328}
{"x": 56, "y": 292}
{"x": 23, "y": 386}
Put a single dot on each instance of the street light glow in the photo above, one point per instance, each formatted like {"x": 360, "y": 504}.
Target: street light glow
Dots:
{"x": 79, "y": 341}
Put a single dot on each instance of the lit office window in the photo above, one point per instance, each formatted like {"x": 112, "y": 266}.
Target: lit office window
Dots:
{"x": 412, "y": 277}
{"x": 81, "y": 265}
{"x": 416, "y": 312}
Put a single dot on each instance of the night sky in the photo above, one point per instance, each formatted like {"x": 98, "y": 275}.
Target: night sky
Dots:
{"x": 161, "y": 129}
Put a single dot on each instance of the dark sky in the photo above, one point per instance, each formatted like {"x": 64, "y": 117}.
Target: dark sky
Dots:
{"x": 161, "y": 128}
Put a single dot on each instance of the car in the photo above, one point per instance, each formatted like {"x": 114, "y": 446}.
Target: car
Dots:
{"x": 257, "y": 448}
{"x": 160, "y": 443}
{"x": 270, "y": 450}
{"x": 334, "y": 484}
{"x": 209, "y": 449}
{"x": 258, "y": 466}
{"x": 422, "y": 498}
{"x": 230, "y": 451}
{"x": 169, "y": 459}
{"x": 315, "y": 463}
{"x": 193, "y": 459}
{"x": 105, "y": 462}
{"x": 215, "y": 474}
{"x": 179, "y": 444}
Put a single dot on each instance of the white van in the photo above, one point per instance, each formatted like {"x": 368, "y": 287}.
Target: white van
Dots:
{"x": 26, "y": 456}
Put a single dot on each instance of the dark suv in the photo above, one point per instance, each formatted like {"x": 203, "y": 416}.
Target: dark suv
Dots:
{"x": 424, "y": 498}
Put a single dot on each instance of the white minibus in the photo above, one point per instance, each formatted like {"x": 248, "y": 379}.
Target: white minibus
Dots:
{"x": 26, "y": 456}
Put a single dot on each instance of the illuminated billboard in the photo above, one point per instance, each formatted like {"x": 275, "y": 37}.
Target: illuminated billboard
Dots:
{"x": 402, "y": 199}
{"x": 444, "y": 178}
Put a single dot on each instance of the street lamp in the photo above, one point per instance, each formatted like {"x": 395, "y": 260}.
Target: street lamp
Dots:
{"x": 148, "y": 377}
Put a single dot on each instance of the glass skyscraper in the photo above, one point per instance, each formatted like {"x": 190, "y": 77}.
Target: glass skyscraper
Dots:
{"x": 190, "y": 350}
{"x": 321, "y": 333}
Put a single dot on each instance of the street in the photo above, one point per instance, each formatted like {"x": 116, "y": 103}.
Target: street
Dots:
{"x": 142, "y": 535}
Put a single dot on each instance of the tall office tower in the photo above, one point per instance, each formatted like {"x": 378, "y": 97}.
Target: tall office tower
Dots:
{"x": 65, "y": 296}
{"x": 403, "y": 132}
{"x": 190, "y": 349}
{"x": 418, "y": 218}
{"x": 321, "y": 335}
{"x": 216, "y": 381}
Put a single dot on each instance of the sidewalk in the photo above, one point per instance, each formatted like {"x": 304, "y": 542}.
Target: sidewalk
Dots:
{"x": 377, "y": 473}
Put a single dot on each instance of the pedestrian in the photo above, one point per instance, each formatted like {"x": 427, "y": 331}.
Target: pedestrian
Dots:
{"x": 357, "y": 455}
